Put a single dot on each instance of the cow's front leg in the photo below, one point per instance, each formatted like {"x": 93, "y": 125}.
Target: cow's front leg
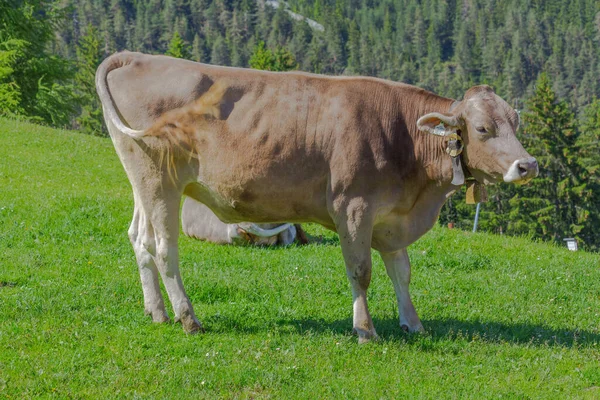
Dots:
{"x": 397, "y": 266}
{"x": 164, "y": 209}
{"x": 355, "y": 228}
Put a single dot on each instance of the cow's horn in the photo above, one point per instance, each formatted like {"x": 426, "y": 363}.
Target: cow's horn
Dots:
{"x": 260, "y": 232}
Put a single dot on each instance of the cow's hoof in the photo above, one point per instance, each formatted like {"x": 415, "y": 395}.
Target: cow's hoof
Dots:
{"x": 412, "y": 329}
{"x": 158, "y": 316}
{"x": 192, "y": 327}
{"x": 190, "y": 323}
{"x": 366, "y": 336}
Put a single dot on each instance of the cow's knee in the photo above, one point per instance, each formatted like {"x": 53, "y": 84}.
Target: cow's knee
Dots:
{"x": 360, "y": 275}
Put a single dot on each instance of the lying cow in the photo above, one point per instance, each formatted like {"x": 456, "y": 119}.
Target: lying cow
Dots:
{"x": 371, "y": 159}
{"x": 199, "y": 222}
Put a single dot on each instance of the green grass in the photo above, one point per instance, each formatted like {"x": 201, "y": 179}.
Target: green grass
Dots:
{"x": 504, "y": 317}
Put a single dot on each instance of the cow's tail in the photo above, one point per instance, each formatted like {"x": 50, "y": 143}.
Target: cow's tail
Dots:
{"x": 110, "y": 112}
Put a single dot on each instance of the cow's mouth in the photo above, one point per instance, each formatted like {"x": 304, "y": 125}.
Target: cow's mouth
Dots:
{"x": 486, "y": 178}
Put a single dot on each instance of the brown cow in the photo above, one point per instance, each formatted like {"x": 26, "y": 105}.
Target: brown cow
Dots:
{"x": 198, "y": 221}
{"x": 364, "y": 157}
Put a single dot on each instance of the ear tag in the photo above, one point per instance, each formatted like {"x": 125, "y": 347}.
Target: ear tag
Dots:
{"x": 476, "y": 193}
{"x": 439, "y": 130}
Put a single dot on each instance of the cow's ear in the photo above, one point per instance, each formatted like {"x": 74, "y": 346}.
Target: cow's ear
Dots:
{"x": 431, "y": 123}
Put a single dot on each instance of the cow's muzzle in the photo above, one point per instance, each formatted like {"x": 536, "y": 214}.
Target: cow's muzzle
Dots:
{"x": 521, "y": 171}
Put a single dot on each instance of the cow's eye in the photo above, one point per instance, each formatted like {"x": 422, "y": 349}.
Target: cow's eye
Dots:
{"x": 481, "y": 129}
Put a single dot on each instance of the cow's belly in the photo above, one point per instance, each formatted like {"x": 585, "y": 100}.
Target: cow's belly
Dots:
{"x": 265, "y": 199}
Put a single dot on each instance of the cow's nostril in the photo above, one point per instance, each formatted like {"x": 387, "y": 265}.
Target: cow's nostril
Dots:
{"x": 522, "y": 171}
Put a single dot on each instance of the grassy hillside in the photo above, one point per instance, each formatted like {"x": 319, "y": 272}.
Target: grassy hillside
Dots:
{"x": 504, "y": 316}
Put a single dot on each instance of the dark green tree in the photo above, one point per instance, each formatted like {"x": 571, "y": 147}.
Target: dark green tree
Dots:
{"x": 353, "y": 49}
{"x": 220, "y": 52}
{"x": 589, "y": 141}
{"x": 31, "y": 74}
{"x": 89, "y": 56}
{"x": 589, "y": 160}
{"x": 198, "y": 49}
{"x": 561, "y": 195}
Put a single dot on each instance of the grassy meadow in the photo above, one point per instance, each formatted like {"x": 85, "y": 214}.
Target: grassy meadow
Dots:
{"x": 505, "y": 317}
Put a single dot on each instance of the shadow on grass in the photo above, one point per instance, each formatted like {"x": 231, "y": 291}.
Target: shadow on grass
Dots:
{"x": 333, "y": 240}
{"x": 313, "y": 240}
{"x": 495, "y": 332}
{"x": 437, "y": 330}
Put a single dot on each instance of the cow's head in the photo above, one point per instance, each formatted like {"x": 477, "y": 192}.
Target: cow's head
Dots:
{"x": 487, "y": 125}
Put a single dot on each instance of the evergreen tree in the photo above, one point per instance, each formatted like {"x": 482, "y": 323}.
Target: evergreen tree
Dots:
{"x": 265, "y": 59}
{"x": 589, "y": 160}
{"x": 220, "y": 52}
{"x": 562, "y": 202}
{"x": 299, "y": 43}
{"x": 316, "y": 54}
{"x": 198, "y": 50}
{"x": 10, "y": 93}
{"x": 89, "y": 56}
{"x": 177, "y": 47}
{"x": 30, "y": 74}
{"x": 589, "y": 141}
{"x": 353, "y": 49}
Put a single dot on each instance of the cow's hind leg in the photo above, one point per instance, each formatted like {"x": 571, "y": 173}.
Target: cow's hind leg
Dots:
{"x": 141, "y": 235}
{"x": 354, "y": 228}
{"x": 397, "y": 266}
{"x": 165, "y": 223}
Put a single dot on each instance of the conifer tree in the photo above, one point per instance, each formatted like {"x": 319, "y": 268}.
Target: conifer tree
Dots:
{"x": 589, "y": 160}
{"x": 589, "y": 141}
{"x": 177, "y": 47}
{"x": 562, "y": 205}
{"x": 10, "y": 93}
{"x": 278, "y": 60}
{"x": 353, "y": 49}
{"x": 89, "y": 56}
{"x": 198, "y": 51}
{"x": 32, "y": 74}
{"x": 220, "y": 52}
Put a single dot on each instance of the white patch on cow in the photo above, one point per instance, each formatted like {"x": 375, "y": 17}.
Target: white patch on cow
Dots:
{"x": 260, "y": 232}
{"x": 521, "y": 171}
{"x": 513, "y": 173}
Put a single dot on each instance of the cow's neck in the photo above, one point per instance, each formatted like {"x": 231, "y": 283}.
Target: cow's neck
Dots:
{"x": 429, "y": 150}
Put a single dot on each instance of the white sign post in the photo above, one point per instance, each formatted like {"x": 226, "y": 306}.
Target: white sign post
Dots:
{"x": 571, "y": 244}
